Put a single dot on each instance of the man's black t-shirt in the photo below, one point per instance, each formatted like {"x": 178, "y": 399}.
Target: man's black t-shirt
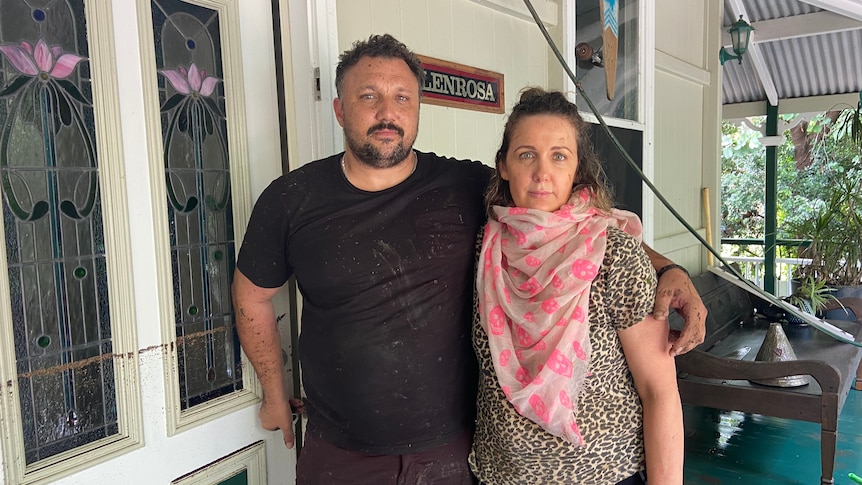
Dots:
{"x": 386, "y": 279}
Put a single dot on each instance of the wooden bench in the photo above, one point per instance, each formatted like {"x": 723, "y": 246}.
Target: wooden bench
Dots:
{"x": 716, "y": 374}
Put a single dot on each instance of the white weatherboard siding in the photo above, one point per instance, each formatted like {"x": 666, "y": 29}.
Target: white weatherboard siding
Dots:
{"x": 687, "y": 124}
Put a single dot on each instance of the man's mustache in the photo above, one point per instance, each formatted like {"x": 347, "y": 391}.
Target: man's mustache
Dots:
{"x": 386, "y": 126}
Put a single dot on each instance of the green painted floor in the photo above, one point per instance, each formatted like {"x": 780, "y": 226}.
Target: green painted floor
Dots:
{"x": 724, "y": 447}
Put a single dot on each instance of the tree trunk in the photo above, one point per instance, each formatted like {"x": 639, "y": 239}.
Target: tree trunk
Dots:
{"x": 804, "y": 142}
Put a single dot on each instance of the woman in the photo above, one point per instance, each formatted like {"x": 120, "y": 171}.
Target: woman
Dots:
{"x": 577, "y": 385}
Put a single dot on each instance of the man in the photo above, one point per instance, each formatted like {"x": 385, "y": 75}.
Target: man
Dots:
{"x": 381, "y": 240}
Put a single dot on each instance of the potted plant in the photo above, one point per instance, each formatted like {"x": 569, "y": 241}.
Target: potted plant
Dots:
{"x": 812, "y": 296}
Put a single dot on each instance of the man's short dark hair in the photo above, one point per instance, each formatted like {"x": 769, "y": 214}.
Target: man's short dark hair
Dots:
{"x": 384, "y": 46}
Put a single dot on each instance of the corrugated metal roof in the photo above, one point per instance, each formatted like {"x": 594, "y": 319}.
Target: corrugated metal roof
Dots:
{"x": 816, "y": 64}
{"x": 760, "y": 10}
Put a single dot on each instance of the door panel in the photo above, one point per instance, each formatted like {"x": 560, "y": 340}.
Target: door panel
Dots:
{"x": 195, "y": 106}
{"x": 135, "y": 266}
{"x": 66, "y": 341}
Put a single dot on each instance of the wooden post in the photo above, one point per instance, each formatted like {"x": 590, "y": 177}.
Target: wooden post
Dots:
{"x": 704, "y": 193}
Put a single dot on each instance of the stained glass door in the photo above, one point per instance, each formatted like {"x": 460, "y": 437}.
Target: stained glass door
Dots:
{"x": 54, "y": 228}
{"x": 125, "y": 176}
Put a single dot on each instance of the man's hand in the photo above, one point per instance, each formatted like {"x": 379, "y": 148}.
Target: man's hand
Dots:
{"x": 276, "y": 414}
{"x": 675, "y": 290}
{"x": 297, "y": 406}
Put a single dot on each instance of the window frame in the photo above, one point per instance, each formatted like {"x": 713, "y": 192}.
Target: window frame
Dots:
{"x": 178, "y": 419}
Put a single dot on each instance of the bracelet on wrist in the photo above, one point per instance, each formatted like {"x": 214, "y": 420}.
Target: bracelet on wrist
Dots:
{"x": 669, "y": 267}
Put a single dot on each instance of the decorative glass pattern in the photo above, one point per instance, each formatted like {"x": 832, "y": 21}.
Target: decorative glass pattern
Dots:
{"x": 197, "y": 173}
{"x": 53, "y": 228}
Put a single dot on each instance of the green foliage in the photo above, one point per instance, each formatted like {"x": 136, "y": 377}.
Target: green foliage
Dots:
{"x": 822, "y": 202}
{"x": 835, "y": 223}
{"x": 849, "y": 125}
{"x": 815, "y": 292}
{"x": 836, "y": 233}
{"x": 742, "y": 199}
{"x": 743, "y": 196}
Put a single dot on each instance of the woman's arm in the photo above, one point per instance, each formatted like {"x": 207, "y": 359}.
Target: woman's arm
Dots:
{"x": 648, "y": 355}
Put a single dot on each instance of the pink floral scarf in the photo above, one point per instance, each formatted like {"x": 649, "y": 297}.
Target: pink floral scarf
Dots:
{"x": 535, "y": 273}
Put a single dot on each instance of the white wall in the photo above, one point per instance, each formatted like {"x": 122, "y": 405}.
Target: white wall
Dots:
{"x": 687, "y": 124}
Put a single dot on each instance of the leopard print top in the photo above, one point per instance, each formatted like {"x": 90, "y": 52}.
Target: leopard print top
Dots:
{"x": 511, "y": 449}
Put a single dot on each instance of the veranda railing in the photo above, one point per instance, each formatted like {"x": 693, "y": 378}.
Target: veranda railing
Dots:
{"x": 753, "y": 269}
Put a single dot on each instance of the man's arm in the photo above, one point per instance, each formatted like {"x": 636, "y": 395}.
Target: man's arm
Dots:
{"x": 258, "y": 335}
{"x": 675, "y": 290}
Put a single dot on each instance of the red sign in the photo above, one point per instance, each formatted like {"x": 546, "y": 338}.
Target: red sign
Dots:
{"x": 460, "y": 86}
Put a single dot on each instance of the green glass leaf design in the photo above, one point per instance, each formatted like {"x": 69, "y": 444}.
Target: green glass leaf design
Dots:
{"x": 183, "y": 120}
{"x": 72, "y": 90}
{"x": 213, "y": 107}
{"x": 28, "y": 108}
{"x": 64, "y": 109}
{"x": 210, "y": 202}
{"x": 39, "y": 211}
{"x": 190, "y": 204}
{"x": 172, "y": 102}
{"x": 68, "y": 207}
{"x": 14, "y": 86}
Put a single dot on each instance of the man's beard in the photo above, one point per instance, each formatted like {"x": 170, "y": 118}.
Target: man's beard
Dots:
{"x": 370, "y": 155}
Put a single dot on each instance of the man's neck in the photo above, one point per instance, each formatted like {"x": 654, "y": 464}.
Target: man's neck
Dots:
{"x": 371, "y": 179}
